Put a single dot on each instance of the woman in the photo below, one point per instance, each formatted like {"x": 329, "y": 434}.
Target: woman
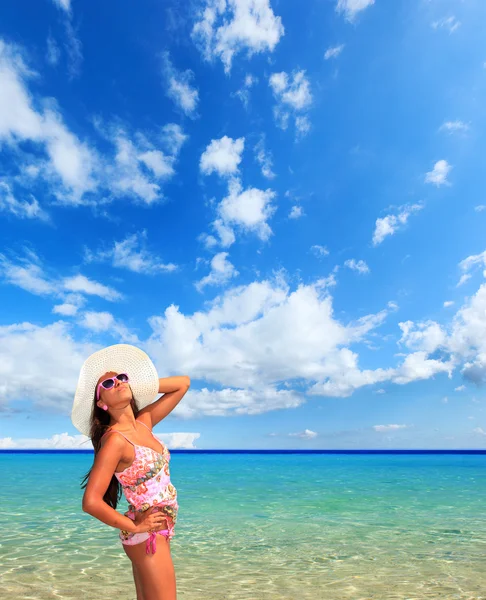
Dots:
{"x": 114, "y": 406}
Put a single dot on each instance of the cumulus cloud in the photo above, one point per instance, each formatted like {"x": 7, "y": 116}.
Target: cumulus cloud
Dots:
{"x": 357, "y": 265}
{"x": 226, "y": 27}
{"x": 293, "y": 97}
{"x": 221, "y": 272}
{"x": 179, "y": 87}
{"x": 222, "y": 156}
{"x": 438, "y": 175}
{"x": 296, "y": 212}
{"x": 333, "y": 51}
{"x": 249, "y": 343}
{"x": 350, "y": 8}
{"x": 425, "y": 336}
{"x": 99, "y": 322}
{"x": 390, "y": 224}
{"x": 249, "y": 210}
{"x": 131, "y": 254}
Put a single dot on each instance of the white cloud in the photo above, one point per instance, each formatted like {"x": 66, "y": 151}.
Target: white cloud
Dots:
{"x": 173, "y": 138}
{"x": 22, "y": 209}
{"x": 448, "y": 303}
{"x": 225, "y": 232}
{"x": 320, "y": 250}
{"x": 307, "y": 434}
{"x": 234, "y": 402}
{"x": 244, "y": 92}
{"x": 479, "y": 430}
{"x": 62, "y": 441}
{"x": 105, "y": 322}
{"x": 248, "y": 342}
{"x": 74, "y": 49}
{"x": 247, "y": 209}
{"x": 64, "y": 4}
{"x": 425, "y": 336}
{"x": 130, "y": 254}
{"x": 54, "y": 360}
{"x": 264, "y": 159}
{"x": 460, "y": 388}
{"x": 293, "y": 96}
{"x": 221, "y": 272}
{"x": 294, "y": 92}
{"x": 333, "y": 51}
{"x": 259, "y": 335}
{"x": 222, "y": 156}
{"x": 226, "y": 27}
{"x": 480, "y": 208}
{"x": 454, "y": 126}
{"x": 69, "y": 162}
{"x": 27, "y": 274}
{"x": 390, "y": 224}
{"x": 81, "y": 284}
{"x": 350, "y": 8}
{"x": 438, "y": 175}
{"x": 449, "y": 23}
{"x": 359, "y": 266}
{"x": 469, "y": 264}
{"x": 296, "y": 212}
{"x": 66, "y": 309}
{"x": 385, "y": 428}
{"x": 180, "y": 89}
{"x": 74, "y": 171}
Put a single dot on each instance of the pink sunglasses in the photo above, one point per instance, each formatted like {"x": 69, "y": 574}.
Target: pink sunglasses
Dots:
{"x": 107, "y": 384}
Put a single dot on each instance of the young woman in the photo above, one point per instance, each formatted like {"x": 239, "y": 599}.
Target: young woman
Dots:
{"x": 114, "y": 406}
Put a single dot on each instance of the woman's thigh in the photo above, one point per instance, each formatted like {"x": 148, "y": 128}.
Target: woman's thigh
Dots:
{"x": 155, "y": 572}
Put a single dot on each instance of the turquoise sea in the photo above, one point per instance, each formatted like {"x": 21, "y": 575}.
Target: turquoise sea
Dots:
{"x": 260, "y": 526}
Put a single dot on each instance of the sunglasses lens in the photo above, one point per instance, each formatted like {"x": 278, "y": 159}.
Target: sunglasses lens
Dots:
{"x": 108, "y": 384}
{"x": 123, "y": 377}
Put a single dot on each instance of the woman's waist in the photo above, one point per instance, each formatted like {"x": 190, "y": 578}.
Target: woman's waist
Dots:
{"x": 168, "y": 506}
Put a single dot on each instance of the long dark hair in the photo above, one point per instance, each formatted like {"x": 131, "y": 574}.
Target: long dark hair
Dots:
{"x": 100, "y": 420}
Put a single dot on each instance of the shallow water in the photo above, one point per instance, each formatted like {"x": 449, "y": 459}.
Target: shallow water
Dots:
{"x": 260, "y": 527}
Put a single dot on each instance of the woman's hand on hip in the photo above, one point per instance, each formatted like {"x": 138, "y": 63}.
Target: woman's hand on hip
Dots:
{"x": 150, "y": 520}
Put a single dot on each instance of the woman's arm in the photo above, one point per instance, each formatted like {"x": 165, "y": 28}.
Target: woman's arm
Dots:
{"x": 103, "y": 469}
{"x": 174, "y": 389}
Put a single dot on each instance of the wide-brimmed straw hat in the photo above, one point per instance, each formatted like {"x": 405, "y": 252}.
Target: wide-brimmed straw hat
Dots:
{"x": 120, "y": 358}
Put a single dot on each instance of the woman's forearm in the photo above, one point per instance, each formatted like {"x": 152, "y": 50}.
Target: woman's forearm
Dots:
{"x": 108, "y": 515}
{"x": 171, "y": 384}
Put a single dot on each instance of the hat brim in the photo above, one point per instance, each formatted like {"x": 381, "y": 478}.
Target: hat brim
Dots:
{"x": 119, "y": 358}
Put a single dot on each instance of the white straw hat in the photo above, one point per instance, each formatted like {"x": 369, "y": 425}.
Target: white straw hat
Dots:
{"x": 120, "y": 358}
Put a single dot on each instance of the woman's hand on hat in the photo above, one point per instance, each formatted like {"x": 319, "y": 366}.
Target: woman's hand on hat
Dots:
{"x": 150, "y": 520}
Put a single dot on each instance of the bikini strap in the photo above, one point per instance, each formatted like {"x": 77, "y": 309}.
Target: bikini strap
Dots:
{"x": 115, "y": 431}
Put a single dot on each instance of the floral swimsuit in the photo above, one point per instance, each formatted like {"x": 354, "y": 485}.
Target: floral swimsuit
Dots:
{"x": 146, "y": 483}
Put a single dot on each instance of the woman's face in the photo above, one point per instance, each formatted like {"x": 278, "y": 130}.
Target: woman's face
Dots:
{"x": 116, "y": 397}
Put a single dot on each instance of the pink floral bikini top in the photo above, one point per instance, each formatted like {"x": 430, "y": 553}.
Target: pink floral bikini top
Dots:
{"x": 146, "y": 482}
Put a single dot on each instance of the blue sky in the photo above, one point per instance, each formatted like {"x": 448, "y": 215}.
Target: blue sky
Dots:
{"x": 284, "y": 202}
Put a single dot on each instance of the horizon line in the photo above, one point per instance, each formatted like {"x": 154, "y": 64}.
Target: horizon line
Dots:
{"x": 267, "y": 451}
